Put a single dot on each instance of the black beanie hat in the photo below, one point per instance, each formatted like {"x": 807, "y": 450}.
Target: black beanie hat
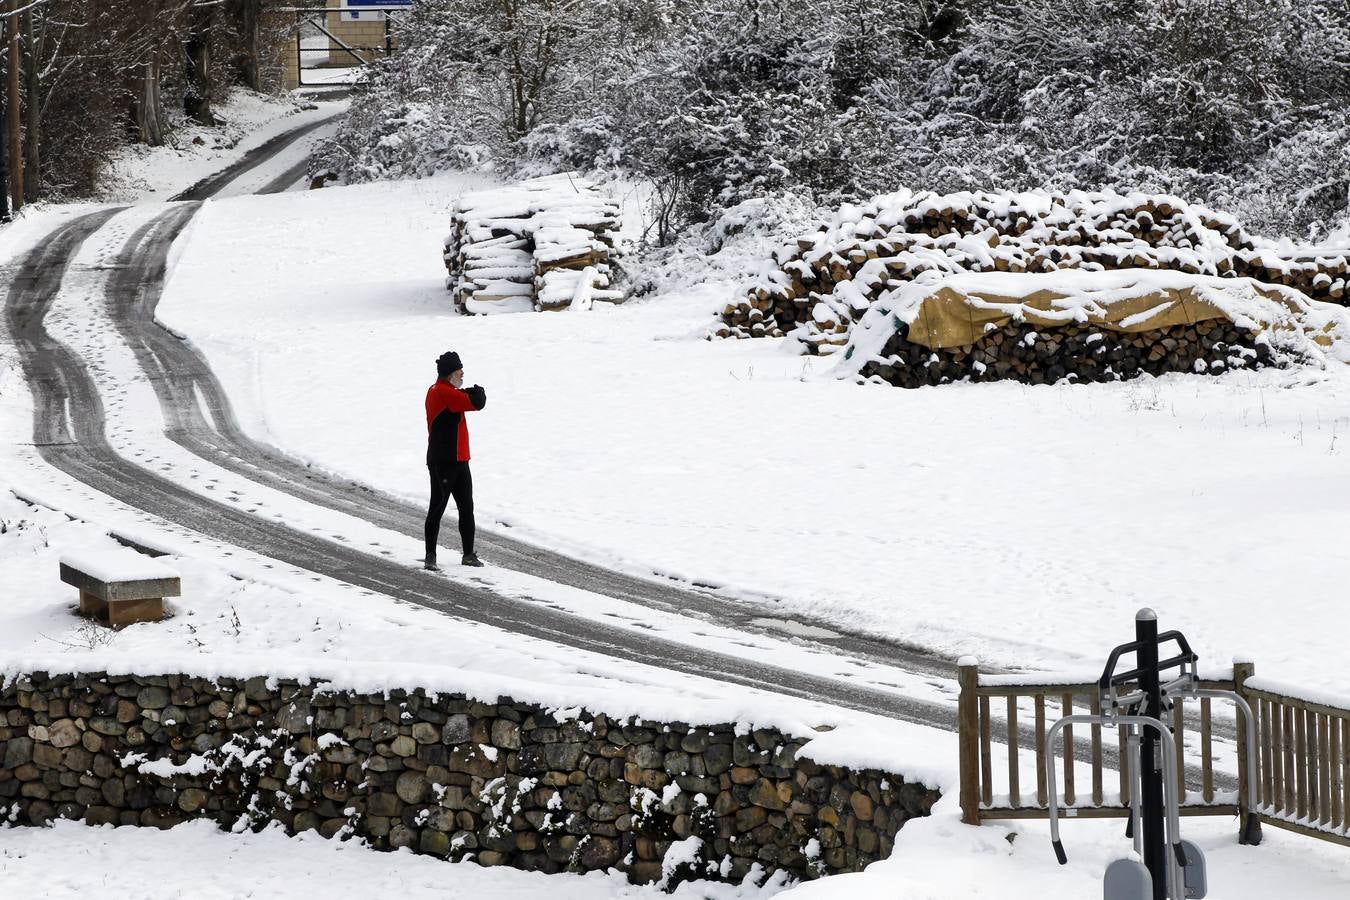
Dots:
{"x": 447, "y": 363}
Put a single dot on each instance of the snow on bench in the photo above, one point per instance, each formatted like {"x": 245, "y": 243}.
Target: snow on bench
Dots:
{"x": 120, "y": 586}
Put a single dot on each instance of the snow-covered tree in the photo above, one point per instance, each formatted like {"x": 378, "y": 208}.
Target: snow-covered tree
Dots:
{"x": 715, "y": 101}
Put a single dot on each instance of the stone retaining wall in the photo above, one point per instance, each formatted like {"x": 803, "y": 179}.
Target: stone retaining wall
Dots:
{"x": 505, "y": 784}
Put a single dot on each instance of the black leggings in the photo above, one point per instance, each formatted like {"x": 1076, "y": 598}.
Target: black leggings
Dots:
{"x": 449, "y": 481}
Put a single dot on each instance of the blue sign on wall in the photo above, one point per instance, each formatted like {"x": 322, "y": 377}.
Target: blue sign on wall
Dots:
{"x": 374, "y": 5}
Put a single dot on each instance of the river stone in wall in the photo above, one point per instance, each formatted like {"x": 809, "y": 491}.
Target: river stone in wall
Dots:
{"x": 504, "y": 783}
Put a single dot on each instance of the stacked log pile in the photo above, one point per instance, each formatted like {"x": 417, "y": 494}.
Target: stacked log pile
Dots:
{"x": 1035, "y": 355}
{"x": 819, "y": 287}
{"x": 543, "y": 244}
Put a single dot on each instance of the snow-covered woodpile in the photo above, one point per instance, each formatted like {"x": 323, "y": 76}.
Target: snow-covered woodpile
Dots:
{"x": 819, "y": 287}
{"x": 1082, "y": 326}
{"x": 542, "y": 244}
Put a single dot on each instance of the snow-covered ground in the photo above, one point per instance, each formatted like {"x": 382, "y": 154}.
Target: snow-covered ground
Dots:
{"x": 1023, "y": 524}
{"x": 242, "y": 615}
{"x": 935, "y": 859}
{"x": 196, "y": 860}
{"x": 192, "y": 152}
{"x": 940, "y": 859}
{"x": 330, "y": 75}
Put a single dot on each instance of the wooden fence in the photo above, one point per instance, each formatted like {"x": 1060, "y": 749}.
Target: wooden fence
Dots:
{"x": 1302, "y": 755}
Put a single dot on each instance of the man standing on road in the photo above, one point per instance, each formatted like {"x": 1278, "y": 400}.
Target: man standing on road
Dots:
{"x": 448, "y": 454}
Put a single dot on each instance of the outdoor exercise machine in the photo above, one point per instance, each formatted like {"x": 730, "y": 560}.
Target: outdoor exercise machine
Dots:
{"x": 1165, "y": 867}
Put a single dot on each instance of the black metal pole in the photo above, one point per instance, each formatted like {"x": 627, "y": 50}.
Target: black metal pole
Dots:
{"x": 1151, "y": 793}
{"x": 299, "y": 51}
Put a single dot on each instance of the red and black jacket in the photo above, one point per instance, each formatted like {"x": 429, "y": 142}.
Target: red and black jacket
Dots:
{"x": 447, "y": 432}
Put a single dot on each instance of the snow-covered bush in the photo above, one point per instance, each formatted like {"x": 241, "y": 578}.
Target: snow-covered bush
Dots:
{"x": 719, "y": 101}
{"x": 1302, "y": 186}
{"x": 726, "y": 248}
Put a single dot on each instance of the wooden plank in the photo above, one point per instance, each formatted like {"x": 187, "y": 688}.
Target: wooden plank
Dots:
{"x": 1312, "y": 762}
{"x": 1179, "y": 744}
{"x": 1324, "y": 770}
{"x": 986, "y": 757}
{"x": 1066, "y": 707}
{"x": 1086, "y": 691}
{"x": 92, "y": 605}
{"x": 1100, "y": 812}
{"x": 1097, "y": 793}
{"x": 1300, "y": 764}
{"x": 1031, "y": 690}
{"x": 968, "y": 737}
{"x": 1246, "y": 755}
{"x": 1041, "y": 791}
{"x": 1336, "y": 756}
{"x": 1267, "y": 777}
{"x": 1206, "y": 754}
{"x": 129, "y": 612}
{"x": 1277, "y": 769}
{"x": 1014, "y": 784}
{"x": 1304, "y": 830}
{"x": 1304, "y": 704}
{"x": 1345, "y": 771}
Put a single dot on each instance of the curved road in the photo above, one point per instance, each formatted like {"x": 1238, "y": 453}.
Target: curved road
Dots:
{"x": 180, "y": 375}
{"x": 69, "y": 430}
{"x": 258, "y": 156}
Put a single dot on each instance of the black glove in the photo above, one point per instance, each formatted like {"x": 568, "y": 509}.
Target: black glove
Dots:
{"x": 477, "y": 396}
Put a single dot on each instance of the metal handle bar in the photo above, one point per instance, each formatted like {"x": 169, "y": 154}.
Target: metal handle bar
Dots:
{"x": 1110, "y": 703}
{"x": 1186, "y": 682}
{"x": 1251, "y": 828}
{"x": 1169, "y": 782}
{"x": 1110, "y": 677}
{"x": 1129, "y": 762}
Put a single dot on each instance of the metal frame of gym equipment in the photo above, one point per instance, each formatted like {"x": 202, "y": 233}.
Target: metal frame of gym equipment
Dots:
{"x": 1150, "y": 762}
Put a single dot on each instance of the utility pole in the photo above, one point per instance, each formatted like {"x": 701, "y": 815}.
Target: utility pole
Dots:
{"x": 12, "y": 105}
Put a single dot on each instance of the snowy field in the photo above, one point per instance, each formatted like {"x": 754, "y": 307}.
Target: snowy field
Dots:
{"x": 242, "y": 615}
{"x": 937, "y": 860}
{"x": 1022, "y": 524}
{"x": 934, "y": 859}
{"x": 72, "y": 860}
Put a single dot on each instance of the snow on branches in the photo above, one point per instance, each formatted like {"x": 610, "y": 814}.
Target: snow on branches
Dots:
{"x": 818, "y": 288}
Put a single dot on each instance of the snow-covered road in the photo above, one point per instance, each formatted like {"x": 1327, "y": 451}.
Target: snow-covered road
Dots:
{"x": 134, "y": 412}
{"x": 81, "y": 311}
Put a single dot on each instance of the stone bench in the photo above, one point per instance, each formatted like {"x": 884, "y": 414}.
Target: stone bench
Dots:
{"x": 119, "y": 587}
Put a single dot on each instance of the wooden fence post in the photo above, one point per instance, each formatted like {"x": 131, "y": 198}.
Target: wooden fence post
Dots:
{"x": 968, "y": 729}
{"x": 1242, "y": 670}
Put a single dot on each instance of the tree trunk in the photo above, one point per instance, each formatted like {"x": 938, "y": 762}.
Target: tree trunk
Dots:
{"x": 4, "y": 158}
{"x": 247, "y": 17}
{"x": 32, "y": 158}
{"x": 13, "y": 105}
{"x": 147, "y": 113}
{"x": 197, "y": 99}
